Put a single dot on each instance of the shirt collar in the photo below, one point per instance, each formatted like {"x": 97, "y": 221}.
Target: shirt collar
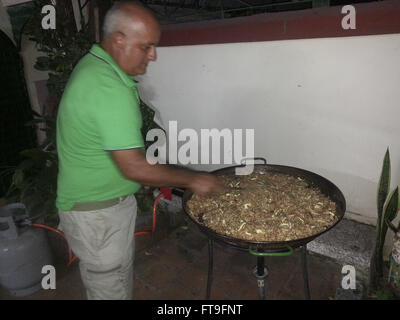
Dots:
{"x": 98, "y": 52}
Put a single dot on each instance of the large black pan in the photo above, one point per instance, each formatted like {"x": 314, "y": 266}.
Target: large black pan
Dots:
{"x": 314, "y": 180}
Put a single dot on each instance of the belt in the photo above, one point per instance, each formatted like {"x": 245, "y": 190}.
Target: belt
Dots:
{"x": 97, "y": 205}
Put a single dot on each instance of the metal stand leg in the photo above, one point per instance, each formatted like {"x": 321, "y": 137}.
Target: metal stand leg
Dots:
{"x": 210, "y": 267}
{"x": 305, "y": 272}
{"x": 260, "y": 272}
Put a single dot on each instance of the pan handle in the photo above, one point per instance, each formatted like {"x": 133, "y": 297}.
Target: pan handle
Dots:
{"x": 272, "y": 254}
{"x": 243, "y": 161}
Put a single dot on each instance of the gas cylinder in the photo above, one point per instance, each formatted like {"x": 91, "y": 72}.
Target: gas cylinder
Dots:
{"x": 24, "y": 251}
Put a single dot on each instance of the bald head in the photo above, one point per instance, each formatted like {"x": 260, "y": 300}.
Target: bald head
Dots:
{"x": 127, "y": 17}
{"x": 131, "y": 33}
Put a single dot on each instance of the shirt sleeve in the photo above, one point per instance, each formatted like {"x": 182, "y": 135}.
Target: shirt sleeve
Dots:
{"x": 118, "y": 119}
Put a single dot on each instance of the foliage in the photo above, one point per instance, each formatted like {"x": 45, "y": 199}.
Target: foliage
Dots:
{"x": 148, "y": 122}
{"x": 385, "y": 294}
{"x": 34, "y": 184}
{"x": 34, "y": 179}
{"x": 63, "y": 47}
{"x": 387, "y": 209}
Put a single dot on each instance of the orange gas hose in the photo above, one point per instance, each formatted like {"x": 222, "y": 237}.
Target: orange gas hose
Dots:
{"x": 71, "y": 257}
{"x": 139, "y": 233}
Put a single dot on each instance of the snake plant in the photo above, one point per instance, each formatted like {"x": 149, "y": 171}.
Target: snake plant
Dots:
{"x": 388, "y": 207}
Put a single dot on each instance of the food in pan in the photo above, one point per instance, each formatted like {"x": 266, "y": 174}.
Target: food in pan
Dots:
{"x": 265, "y": 206}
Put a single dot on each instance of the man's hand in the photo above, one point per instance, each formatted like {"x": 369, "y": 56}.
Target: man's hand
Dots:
{"x": 205, "y": 184}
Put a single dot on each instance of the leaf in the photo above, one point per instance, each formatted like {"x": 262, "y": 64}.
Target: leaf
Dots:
{"x": 6, "y": 171}
{"x": 384, "y": 294}
{"x": 392, "y": 227}
{"x": 18, "y": 178}
{"x": 35, "y": 121}
{"x": 390, "y": 210}
{"x": 383, "y": 190}
{"x": 42, "y": 63}
{"x": 26, "y": 164}
{"x": 37, "y": 154}
{"x": 392, "y": 205}
{"x": 384, "y": 184}
{"x": 389, "y": 213}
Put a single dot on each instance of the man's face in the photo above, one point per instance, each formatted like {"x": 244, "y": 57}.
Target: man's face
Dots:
{"x": 140, "y": 49}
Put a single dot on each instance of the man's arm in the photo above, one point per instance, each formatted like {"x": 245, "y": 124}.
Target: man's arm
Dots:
{"x": 134, "y": 166}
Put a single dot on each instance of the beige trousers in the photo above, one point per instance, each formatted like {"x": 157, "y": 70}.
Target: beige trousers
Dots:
{"x": 104, "y": 242}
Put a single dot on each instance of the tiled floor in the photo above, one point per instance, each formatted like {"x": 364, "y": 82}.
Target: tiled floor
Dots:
{"x": 172, "y": 265}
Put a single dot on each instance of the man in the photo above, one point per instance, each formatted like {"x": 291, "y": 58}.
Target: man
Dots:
{"x": 101, "y": 156}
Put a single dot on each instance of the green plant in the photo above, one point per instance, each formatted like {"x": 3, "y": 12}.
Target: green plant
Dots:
{"x": 387, "y": 209}
{"x": 63, "y": 47}
{"x": 34, "y": 183}
{"x": 384, "y": 294}
{"x": 34, "y": 179}
{"x": 148, "y": 122}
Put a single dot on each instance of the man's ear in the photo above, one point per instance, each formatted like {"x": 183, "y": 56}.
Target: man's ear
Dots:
{"x": 119, "y": 39}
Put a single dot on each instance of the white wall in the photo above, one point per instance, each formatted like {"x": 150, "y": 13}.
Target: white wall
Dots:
{"x": 29, "y": 54}
{"x": 328, "y": 105}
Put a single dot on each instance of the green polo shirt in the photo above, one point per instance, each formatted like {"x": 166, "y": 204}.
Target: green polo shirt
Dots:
{"x": 99, "y": 112}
